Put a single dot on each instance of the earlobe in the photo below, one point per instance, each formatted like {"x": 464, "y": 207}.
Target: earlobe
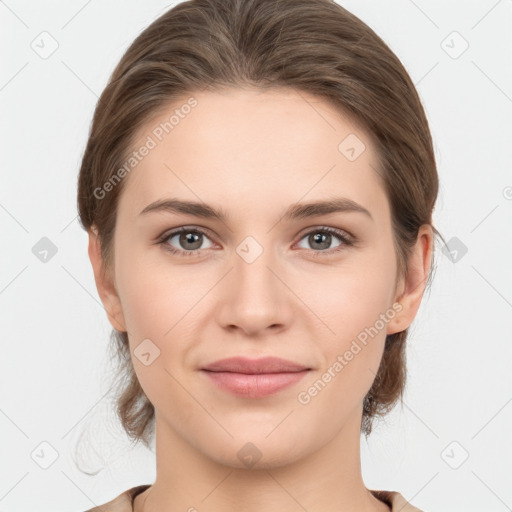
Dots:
{"x": 104, "y": 283}
{"x": 412, "y": 286}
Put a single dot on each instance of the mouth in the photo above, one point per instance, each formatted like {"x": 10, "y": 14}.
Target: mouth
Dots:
{"x": 254, "y": 378}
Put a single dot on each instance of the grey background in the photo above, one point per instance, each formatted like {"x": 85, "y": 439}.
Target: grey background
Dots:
{"x": 447, "y": 449}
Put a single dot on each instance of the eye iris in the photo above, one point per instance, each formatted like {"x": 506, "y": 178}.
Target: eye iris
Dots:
{"x": 189, "y": 237}
{"x": 324, "y": 239}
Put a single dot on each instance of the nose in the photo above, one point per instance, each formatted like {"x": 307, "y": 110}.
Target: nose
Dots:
{"x": 254, "y": 297}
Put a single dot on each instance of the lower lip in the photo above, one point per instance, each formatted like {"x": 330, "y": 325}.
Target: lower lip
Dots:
{"x": 254, "y": 385}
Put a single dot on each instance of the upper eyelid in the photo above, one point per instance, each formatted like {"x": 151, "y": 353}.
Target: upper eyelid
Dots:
{"x": 184, "y": 229}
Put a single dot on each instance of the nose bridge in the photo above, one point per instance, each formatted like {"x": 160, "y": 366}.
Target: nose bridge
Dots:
{"x": 253, "y": 263}
{"x": 255, "y": 296}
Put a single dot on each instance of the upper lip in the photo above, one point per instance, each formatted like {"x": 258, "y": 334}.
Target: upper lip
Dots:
{"x": 255, "y": 366}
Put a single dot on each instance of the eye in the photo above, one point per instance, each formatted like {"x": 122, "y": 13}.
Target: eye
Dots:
{"x": 189, "y": 241}
{"x": 322, "y": 238}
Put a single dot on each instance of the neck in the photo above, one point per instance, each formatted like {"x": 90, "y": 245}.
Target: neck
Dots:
{"x": 327, "y": 480}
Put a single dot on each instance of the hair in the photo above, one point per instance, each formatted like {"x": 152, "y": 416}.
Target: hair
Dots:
{"x": 311, "y": 46}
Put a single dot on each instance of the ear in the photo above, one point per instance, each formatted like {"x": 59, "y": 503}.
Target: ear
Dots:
{"x": 105, "y": 283}
{"x": 412, "y": 286}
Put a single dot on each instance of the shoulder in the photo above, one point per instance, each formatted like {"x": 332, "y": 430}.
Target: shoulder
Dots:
{"x": 395, "y": 500}
{"x": 121, "y": 503}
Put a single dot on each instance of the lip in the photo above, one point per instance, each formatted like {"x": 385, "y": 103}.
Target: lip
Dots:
{"x": 254, "y": 378}
{"x": 254, "y": 366}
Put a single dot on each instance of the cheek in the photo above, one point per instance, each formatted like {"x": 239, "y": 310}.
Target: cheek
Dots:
{"x": 357, "y": 308}
{"x": 351, "y": 356}
{"x": 154, "y": 309}
{"x": 154, "y": 295}
{"x": 353, "y": 298}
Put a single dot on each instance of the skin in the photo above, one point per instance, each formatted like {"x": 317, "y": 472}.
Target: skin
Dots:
{"x": 254, "y": 153}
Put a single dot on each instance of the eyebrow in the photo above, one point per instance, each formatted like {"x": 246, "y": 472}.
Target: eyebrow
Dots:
{"x": 295, "y": 211}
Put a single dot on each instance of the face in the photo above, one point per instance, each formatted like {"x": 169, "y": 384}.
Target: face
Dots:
{"x": 310, "y": 285}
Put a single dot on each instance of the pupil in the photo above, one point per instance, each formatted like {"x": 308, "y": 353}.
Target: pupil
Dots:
{"x": 317, "y": 238}
{"x": 192, "y": 238}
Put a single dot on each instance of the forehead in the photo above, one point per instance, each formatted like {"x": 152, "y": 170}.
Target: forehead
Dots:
{"x": 250, "y": 149}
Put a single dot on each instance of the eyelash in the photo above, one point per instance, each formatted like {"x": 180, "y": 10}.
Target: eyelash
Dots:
{"x": 346, "y": 240}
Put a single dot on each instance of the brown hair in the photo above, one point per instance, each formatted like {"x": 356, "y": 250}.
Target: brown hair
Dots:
{"x": 315, "y": 46}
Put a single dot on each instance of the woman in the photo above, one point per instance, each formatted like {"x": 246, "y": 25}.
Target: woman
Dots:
{"x": 285, "y": 143}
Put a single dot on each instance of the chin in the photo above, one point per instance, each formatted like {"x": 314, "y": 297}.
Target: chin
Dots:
{"x": 257, "y": 452}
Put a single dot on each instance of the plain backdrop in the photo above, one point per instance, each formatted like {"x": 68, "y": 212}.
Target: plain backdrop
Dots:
{"x": 447, "y": 449}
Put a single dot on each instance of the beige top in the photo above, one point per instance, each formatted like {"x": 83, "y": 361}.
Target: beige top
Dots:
{"x": 124, "y": 502}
